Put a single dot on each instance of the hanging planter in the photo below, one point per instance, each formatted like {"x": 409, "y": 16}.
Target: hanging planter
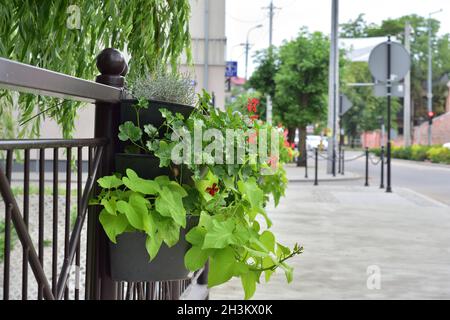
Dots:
{"x": 130, "y": 262}
{"x": 157, "y": 218}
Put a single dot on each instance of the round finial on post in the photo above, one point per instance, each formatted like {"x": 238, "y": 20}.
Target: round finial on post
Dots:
{"x": 112, "y": 66}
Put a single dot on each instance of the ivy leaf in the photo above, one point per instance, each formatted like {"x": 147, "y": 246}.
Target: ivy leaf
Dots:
{"x": 164, "y": 154}
{"x": 242, "y": 234}
{"x": 163, "y": 180}
{"x": 268, "y": 240}
{"x": 153, "y": 145}
{"x": 220, "y": 236}
{"x": 221, "y": 267}
{"x": 170, "y": 204}
{"x": 134, "y": 210}
{"x": 253, "y": 194}
{"x": 109, "y": 182}
{"x": 142, "y": 104}
{"x": 196, "y": 236}
{"x": 168, "y": 230}
{"x": 267, "y": 262}
{"x": 110, "y": 205}
{"x": 248, "y": 281}
{"x": 205, "y": 220}
{"x": 136, "y": 184}
{"x": 153, "y": 244}
{"x": 113, "y": 225}
{"x": 288, "y": 271}
{"x": 150, "y": 130}
{"x": 282, "y": 251}
{"x": 196, "y": 258}
{"x": 128, "y": 131}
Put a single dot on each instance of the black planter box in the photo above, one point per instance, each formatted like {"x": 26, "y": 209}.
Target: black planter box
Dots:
{"x": 151, "y": 115}
{"x": 147, "y": 167}
{"x": 130, "y": 260}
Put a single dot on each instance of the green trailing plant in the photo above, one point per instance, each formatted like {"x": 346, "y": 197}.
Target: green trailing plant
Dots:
{"x": 132, "y": 204}
{"x": 166, "y": 86}
{"x": 233, "y": 231}
{"x": 65, "y": 36}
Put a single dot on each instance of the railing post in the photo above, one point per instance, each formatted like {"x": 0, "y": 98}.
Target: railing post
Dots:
{"x": 316, "y": 174}
{"x": 367, "y": 168}
{"x": 99, "y": 285}
{"x": 306, "y": 165}
{"x": 382, "y": 167}
{"x": 340, "y": 159}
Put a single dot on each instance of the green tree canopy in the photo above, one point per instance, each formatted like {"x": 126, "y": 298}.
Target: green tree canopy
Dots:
{"x": 359, "y": 28}
{"x": 66, "y": 36}
{"x": 302, "y": 82}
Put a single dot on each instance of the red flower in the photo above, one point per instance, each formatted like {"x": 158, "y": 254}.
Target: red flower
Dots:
{"x": 252, "y": 104}
{"x": 213, "y": 189}
{"x": 293, "y": 145}
{"x": 254, "y": 117}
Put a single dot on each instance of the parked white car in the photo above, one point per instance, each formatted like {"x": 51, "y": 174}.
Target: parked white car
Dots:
{"x": 313, "y": 142}
{"x": 447, "y": 145}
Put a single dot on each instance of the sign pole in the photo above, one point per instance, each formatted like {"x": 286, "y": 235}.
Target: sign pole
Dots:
{"x": 389, "y": 98}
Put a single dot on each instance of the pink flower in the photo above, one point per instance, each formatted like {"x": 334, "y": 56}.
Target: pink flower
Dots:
{"x": 252, "y": 138}
{"x": 273, "y": 162}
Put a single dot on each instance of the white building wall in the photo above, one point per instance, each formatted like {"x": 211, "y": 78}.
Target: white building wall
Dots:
{"x": 216, "y": 47}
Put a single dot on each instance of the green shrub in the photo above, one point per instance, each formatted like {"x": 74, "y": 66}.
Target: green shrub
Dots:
{"x": 402, "y": 152}
{"x": 439, "y": 155}
{"x": 376, "y": 151}
{"x": 419, "y": 153}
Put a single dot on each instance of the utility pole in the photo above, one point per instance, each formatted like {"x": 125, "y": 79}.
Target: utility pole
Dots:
{"x": 430, "y": 74}
{"x": 333, "y": 88}
{"x": 271, "y": 9}
{"x": 407, "y": 96}
{"x": 430, "y": 78}
{"x": 247, "y": 48}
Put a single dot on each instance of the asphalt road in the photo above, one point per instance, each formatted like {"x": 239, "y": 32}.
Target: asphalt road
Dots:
{"x": 427, "y": 179}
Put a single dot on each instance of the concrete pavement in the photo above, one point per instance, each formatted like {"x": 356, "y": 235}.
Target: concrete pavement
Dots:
{"x": 349, "y": 230}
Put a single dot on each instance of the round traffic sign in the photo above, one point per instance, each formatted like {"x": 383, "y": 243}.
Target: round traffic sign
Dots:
{"x": 400, "y": 62}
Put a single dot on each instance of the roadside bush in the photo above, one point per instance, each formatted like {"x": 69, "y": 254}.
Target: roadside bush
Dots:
{"x": 402, "y": 152}
{"x": 435, "y": 154}
{"x": 439, "y": 155}
{"x": 419, "y": 153}
{"x": 376, "y": 151}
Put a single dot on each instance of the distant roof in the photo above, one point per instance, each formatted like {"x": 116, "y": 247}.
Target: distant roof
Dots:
{"x": 358, "y": 49}
{"x": 237, "y": 81}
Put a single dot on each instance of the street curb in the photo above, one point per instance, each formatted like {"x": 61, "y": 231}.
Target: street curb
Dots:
{"x": 423, "y": 163}
{"x": 326, "y": 180}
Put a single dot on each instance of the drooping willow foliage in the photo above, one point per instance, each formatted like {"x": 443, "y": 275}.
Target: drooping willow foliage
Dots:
{"x": 66, "y": 36}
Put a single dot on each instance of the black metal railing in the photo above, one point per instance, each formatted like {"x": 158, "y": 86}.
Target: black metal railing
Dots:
{"x": 73, "y": 263}
{"x": 30, "y": 222}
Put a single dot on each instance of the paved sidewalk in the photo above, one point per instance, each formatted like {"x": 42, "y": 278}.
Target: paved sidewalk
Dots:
{"x": 346, "y": 230}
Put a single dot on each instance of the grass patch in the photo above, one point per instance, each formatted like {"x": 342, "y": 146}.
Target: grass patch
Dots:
{"x": 48, "y": 191}
{"x": 2, "y": 239}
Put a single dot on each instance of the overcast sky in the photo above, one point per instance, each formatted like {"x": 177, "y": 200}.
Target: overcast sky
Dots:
{"x": 242, "y": 15}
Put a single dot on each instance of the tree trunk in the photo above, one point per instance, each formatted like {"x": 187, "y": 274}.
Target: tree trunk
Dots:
{"x": 301, "y": 160}
{"x": 291, "y": 135}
